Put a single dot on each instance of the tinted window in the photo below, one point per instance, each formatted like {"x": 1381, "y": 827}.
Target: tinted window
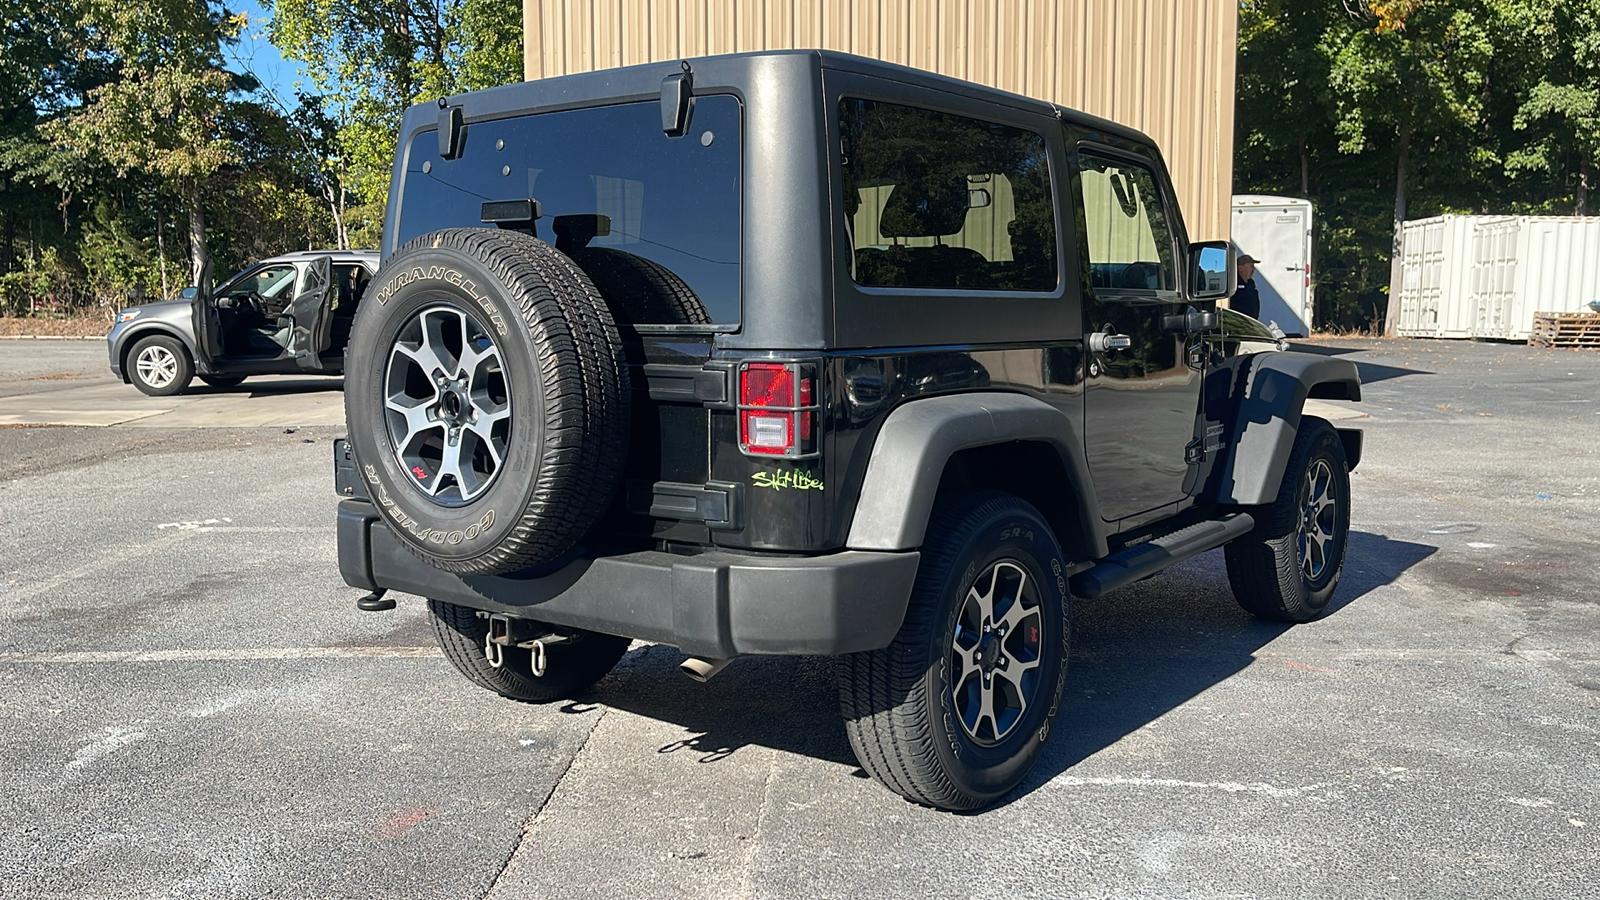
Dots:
{"x": 1125, "y": 227}
{"x": 935, "y": 200}
{"x": 654, "y": 220}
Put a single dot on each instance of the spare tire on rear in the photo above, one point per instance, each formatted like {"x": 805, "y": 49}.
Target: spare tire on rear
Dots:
{"x": 487, "y": 400}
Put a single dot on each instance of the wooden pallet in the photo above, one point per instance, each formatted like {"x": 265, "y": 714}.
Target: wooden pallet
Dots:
{"x": 1566, "y": 330}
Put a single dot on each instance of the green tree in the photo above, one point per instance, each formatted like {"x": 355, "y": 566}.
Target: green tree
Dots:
{"x": 377, "y": 58}
{"x": 1559, "y": 114}
{"x": 164, "y": 112}
{"x": 1413, "y": 82}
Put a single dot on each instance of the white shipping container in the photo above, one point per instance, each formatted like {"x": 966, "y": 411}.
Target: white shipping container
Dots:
{"x": 1531, "y": 264}
{"x": 1277, "y": 231}
{"x": 1438, "y": 280}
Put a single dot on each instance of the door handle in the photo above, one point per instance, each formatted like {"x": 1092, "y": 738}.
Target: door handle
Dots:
{"x": 1102, "y": 341}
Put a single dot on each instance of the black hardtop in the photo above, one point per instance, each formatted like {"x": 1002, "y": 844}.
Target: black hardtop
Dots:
{"x": 643, "y": 82}
{"x": 789, "y": 271}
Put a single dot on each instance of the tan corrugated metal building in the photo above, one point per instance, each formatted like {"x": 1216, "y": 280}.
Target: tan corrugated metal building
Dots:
{"x": 1165, "y": 67}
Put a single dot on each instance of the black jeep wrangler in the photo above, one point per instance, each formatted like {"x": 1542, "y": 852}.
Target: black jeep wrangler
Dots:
{"x": 803, "y": 353}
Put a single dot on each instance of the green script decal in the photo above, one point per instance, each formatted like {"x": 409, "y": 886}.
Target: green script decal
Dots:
{"x": 799, "y": 481}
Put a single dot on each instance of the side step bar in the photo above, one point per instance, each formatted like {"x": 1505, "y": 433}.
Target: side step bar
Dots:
{"x": 1143, "y": 560}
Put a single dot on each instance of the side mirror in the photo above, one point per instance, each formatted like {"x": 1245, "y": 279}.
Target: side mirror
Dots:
{"x": 1213, "y": 275}
{"x": 224, "y": 303}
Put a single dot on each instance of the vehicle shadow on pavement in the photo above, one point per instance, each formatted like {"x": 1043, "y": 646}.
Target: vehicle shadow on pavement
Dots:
{"x": 1369, "y": 372}
{"x": 280, "y": 388}
{"x": 1137, "y": 654}
{"x": 787, "y": 703}
{"x": 1153, "y": 646}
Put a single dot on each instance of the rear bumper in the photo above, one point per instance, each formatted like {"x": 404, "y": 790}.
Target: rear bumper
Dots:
{"x": 713, "y": 604}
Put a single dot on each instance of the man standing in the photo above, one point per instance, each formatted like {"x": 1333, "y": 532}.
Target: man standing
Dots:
{"x": 1246, "y": 300}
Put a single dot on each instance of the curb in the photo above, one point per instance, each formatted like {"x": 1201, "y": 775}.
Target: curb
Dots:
{"x": 52, "y": 337}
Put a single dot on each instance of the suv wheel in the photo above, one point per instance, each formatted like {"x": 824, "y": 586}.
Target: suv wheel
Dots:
{"x": 956, "y": 710}
{"x": 223, "y": 381}
{"x": 160, "y": 366}
{"x": 487, "y": 401}
{"x": 569, "y": 667}
{"x": 1286, "y": 569}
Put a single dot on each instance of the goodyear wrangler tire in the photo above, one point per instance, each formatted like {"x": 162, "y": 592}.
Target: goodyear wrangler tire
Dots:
{"x": 486, "y": 400}
{"x": 957, "y": 709}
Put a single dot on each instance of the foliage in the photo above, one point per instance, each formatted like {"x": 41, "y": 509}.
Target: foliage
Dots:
{"x": 1378, "y": 110}
{"x": 380, "y": 57}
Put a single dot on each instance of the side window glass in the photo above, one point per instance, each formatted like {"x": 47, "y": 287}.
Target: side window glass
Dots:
{"x": 1125, "y": 227}
{"x": 269, "y": 282}
{"x": 934, "y": 200}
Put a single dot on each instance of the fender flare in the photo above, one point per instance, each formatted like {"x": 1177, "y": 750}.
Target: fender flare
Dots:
{"x": 1273, "y": 396}
{"x": 917, "y": 440}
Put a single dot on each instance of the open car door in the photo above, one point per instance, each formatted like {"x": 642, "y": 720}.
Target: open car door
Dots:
{"x": 207, "y": 324}
{"x": 311, "y": 308}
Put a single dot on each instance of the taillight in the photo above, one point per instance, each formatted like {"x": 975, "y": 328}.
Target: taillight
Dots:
{"x": 777, "y": 409}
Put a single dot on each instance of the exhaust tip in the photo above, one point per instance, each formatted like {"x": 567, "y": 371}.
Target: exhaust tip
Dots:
{"x": 702, "y": 670}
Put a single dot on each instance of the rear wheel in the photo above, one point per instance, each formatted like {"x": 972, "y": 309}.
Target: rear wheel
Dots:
{"x": 956, "y": 710}
{"x": 1286, "y": 569}
{"x": 159, "y": 365}
{"x": 569, "y": 667}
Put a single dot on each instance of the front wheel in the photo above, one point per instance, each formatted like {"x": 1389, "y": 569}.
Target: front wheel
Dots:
{"x": 569, "y": 667}
{"x": 1287, "y": 568}
{"x": 956, "y": 710}
{"x": 160, "y": 366}
{"x": 223, "y": 381}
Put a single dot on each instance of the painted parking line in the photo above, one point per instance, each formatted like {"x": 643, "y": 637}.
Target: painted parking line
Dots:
{"x": 234, "y": 655}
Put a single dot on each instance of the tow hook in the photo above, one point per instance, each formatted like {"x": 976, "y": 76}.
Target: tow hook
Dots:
{"x": 502, "y": 634}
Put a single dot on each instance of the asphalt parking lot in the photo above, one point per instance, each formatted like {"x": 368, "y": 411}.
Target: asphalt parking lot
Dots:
{"x": 193, "y": 707}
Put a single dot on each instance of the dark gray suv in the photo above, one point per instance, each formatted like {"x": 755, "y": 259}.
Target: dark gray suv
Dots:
{"x": 285, "y": 315}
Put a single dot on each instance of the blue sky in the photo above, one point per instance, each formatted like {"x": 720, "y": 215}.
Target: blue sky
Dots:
{"x": 256, "y": 54}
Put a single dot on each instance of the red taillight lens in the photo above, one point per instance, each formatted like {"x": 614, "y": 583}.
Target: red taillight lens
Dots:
{"x": 805, "y": 417}
{"x": 775, "y": 409}
{"x": 766, "y": 384}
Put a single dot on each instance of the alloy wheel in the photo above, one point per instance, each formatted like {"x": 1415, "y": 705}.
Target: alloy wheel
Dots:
{"x": 995, "y": 653}
{"x": 1318, "y": 515}
{"x": 157, "y": 366}
{"x": 447, "y": 404}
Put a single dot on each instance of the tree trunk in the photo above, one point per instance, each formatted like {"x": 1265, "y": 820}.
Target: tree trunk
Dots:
{"x": 1391, "y": 317}
{"x": 336, "y": 197}
{"x": 199, "y": 253}
{"x": 1305, "y": 171}
{"x": 1583, "y": 186}
{"x": 161, "y": 254}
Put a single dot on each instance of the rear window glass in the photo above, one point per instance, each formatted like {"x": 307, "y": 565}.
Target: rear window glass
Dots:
{"x": 654, "y": 220}
{"x": 935, "y": 200}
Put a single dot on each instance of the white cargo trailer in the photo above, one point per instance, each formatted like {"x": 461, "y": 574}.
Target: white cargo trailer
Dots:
{"x": 1438, "y": 278}
{"x": 1277, "y": 231}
